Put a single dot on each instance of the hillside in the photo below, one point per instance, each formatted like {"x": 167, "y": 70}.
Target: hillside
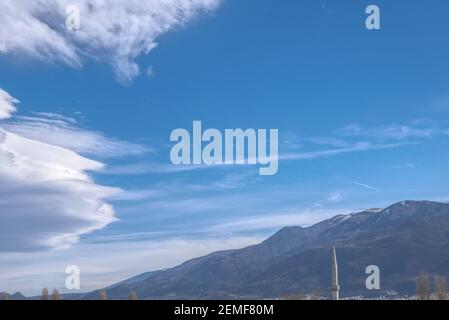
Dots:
{"x": 403, "y": 240}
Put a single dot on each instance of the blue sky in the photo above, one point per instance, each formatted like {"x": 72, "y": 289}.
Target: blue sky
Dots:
{"x": 362, "y": 119}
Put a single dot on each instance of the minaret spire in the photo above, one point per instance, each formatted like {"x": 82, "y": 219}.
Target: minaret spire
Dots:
{"x": 335, "y": 287}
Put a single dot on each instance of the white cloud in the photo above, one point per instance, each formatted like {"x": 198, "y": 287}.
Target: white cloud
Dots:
{"x": 167, "y": 189}
{"x": 168, "y": 168}
{"x": 303, "y": 218}
{"x": 6, "y": 105}
{"x": 47, "y": 198}
{"x": 335, "y": 197}
{"x": 391, "y": 132}
{"x": 150, "y": 72}
{"x": 364, "y": 185}
{"x": 62, "y": 131}
{"x": 159, "y": 168}
{"x": 116, "y": 31}
{"x": 356, "y": 147}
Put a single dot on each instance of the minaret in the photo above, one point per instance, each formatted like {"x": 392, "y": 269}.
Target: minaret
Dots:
{"x": 335, "y": 287}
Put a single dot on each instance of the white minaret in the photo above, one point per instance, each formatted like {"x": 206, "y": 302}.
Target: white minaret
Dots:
{"x": 335, "y": 287}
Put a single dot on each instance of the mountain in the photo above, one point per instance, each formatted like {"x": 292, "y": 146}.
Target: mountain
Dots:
{"x": 15, "y": 296}
{"x": 120, "y": 290}
{"x": 403, "y": 240}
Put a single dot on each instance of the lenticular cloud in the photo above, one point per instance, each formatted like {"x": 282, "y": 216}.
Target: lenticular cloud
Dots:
{"x": 116, "y": 32}
{"x": 47, "y": 199}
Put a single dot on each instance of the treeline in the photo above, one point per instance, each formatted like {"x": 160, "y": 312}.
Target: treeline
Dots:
{"x": 427, "y": 288}
{"x": 55, "y": 295}
{"x": 424, "y": 287}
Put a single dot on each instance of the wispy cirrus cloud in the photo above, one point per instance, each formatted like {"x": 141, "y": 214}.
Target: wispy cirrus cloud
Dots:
{"x": 64, "y": 132}
{"x": 356, "y": 147}
{"x": 168, "y": 168}
{"x": 151, "y": 168}
{"x": 391, "y": 132}
{"x": 116, "y": 31}
{"x": 364, "y": 185}
{"x": 335, "y": 197}
{"x": 275, "y": 220}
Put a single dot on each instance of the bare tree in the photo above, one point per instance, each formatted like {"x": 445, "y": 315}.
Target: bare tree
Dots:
{"x": 44, "y": 294}
{"x": 440, "y": 286}
{"x": 102, "y": 295}
{"x": 55, "y": 295}
{"x": 423, "y": 286}
{"x": 296, "y": 296}
{"x": 316, "y": 295}
{"x": 132, "y": 295}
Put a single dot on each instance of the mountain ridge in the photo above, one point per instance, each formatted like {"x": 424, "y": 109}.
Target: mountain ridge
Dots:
{"x": 297, "y": 259}
{"x": 403, "y": 239}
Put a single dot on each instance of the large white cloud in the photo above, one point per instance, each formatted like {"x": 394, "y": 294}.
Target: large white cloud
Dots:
{"x": 115, "y": 31}
{"x": 47, "y": 198}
